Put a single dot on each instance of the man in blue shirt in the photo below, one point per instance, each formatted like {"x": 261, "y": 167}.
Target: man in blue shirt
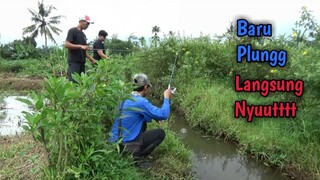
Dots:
{"x": 136, "y": 114}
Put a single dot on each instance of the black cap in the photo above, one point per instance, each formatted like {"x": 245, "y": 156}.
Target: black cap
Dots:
{"x": 103, "y": 33}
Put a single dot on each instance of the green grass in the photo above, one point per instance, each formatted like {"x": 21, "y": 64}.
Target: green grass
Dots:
{"x": 22, "y": 158}
{"x": 5, "y": 93}
{"x": 32, "y": 67}
{"x": 280, "y": 142}
{"x": 19, "y": 157}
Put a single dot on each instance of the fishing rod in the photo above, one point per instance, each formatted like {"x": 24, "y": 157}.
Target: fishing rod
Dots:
{"x": 173, "y": 89}
{"x": 115, "y": 50}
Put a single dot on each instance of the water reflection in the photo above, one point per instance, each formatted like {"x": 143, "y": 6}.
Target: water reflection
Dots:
{"x": 14, "y": 119}
{"x": 215, "y": 159}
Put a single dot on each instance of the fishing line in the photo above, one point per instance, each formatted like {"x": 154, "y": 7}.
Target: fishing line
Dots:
{"x": 173, "y": 89}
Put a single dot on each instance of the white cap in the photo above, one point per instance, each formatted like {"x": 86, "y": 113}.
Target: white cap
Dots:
{"x": 86, "y": 18}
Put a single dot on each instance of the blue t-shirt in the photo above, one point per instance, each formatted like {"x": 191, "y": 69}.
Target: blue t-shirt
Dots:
{"x": 135, "y": 112}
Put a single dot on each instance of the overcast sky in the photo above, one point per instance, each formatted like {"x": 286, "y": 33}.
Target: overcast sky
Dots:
{"x": 137, "y": 17}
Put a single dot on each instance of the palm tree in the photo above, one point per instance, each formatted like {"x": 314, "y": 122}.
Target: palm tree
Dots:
{"x": 155, "y": 30}
{"x": 43, "y": 23}
{"x": 143, "y": 41}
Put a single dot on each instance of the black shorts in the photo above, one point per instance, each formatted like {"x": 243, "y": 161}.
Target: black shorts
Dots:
{"x": 146, "y": 142}
{"x": 75, "y": 68}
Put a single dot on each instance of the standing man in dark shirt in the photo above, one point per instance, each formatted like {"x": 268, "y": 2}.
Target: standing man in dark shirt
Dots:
{"x": 76, "y": 43}
{"x": 99, "y": 51}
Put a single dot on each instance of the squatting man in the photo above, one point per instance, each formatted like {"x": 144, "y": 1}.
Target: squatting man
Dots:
{"x": 132, "y": 124}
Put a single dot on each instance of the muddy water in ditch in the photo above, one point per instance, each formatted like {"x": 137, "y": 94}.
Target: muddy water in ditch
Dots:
{"x": 216, "y": 159}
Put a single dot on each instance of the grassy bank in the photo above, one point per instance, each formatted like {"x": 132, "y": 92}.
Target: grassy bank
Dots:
{"x": 23, "y": 158}
{"x": 205, "y": 76}
{"x": 171, "y": 159}
{"x": 281, "y": 142}
{"x": 27, "y": 67}
{"x": 20, "y": 158}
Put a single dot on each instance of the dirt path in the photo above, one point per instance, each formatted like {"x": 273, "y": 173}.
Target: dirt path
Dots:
{"x": 20, "y": 83}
